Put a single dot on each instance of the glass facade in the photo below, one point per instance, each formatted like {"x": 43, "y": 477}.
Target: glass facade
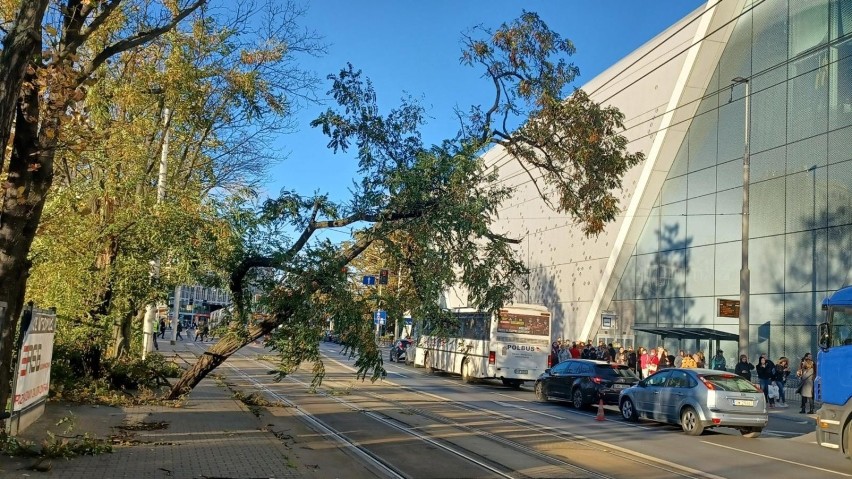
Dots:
{"x": 797, "y": 57}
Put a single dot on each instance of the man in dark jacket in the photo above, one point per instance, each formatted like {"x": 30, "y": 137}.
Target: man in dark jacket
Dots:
{"x": 744, "y": 368}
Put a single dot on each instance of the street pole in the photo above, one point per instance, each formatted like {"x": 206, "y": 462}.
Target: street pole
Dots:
{"x": 745, "y": 274}
{"x": 813, "y": 169}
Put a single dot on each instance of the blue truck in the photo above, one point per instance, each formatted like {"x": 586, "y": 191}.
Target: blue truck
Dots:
{"x": 833, "y": 384}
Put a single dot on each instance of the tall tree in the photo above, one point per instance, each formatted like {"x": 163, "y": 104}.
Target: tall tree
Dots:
{"x": 48, "y": 58}
{"x": 432, "y": 208}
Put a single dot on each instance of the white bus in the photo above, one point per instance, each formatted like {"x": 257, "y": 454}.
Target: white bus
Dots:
{"x": 512, "y": 345}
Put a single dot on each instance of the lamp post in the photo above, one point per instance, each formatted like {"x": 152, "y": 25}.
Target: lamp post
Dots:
{"x": 745, "y": 274}
{"x": 812, "y": 170}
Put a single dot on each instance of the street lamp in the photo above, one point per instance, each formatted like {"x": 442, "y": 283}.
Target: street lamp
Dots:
{"x": 745, "y": 274}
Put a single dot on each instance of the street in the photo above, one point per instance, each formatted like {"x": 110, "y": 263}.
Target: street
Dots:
{"x": 412, "y": 424}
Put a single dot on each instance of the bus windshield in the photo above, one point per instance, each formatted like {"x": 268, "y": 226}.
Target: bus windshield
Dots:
{"x": 527, "y": 324}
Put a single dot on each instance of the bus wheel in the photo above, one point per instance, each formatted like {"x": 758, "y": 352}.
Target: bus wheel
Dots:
{"x": 465, "y": 372}
{"x": 427, "y": 363}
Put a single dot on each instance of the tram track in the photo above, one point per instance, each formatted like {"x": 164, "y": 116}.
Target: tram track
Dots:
{"x": 464, "y": 430}
{"x": 555, "y": 432}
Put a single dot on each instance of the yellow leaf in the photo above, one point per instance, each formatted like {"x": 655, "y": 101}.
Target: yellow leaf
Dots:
{"x": 50, "y": 30}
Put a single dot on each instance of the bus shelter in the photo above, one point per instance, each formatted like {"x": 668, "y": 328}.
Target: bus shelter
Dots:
{"x": 714, "y": 336}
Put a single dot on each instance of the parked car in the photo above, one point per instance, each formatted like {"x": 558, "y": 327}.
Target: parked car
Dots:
{"x": 697, "y": 399}
{"x": 398, "y": 350}
{"x": 584, "y": 382}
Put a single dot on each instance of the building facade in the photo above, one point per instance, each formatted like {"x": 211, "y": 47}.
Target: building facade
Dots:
{"x": 675, "y": 251}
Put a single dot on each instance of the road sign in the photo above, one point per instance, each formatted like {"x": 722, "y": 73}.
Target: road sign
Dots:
{"x": 381, "y": 317}
{"x": 408, "y": 321}
{"x": 369, "y": 280}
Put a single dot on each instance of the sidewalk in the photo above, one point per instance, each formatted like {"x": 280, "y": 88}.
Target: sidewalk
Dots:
{"x": 212, "y": 436}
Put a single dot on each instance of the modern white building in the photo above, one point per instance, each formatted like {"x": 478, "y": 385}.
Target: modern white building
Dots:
{"x": 675, "y": 251}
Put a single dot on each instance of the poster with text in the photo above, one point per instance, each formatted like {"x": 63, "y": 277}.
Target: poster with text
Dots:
{"x": 33, "y": 373}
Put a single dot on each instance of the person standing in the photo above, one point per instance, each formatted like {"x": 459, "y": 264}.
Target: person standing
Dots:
{"x": 718, "y": 361}
{"x": 554, "y": 353}
{"x": 155, "y": 333}
{"x": 631, "y": 359}
{"x": 678, "y": 362}
{"x": 644, "y": 361}
{"x": 806, "y": 374}
{"x": 782, "y": 370}
{"x": 179, "y": 330}
{"x": 162, "y": 328}
{"x": 744, "y": 368}
{"x": 766, "y": 374}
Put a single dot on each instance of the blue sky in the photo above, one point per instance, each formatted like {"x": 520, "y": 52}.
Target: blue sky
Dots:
{"x": 408, "y": 47}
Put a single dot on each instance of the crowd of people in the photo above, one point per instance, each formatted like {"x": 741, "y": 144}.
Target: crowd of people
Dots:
{"x": 772, "y": 377}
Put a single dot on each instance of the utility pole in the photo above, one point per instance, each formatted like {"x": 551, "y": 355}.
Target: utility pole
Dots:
{"x": 151, "y": 308}
{"x": 745, "y": 273}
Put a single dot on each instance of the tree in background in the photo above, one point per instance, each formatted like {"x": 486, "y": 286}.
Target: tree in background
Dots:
{"x": 429, "y": 209}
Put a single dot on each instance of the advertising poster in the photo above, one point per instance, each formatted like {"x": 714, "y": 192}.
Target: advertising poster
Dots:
{"x": 33, "y": 373}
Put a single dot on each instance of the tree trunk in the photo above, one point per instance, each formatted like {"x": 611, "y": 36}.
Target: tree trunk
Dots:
{"x": 29, "y": 179}
{"x": 123, "y": 332}
{"x": 215, "y": 356}
{"x": 21, "y": 43}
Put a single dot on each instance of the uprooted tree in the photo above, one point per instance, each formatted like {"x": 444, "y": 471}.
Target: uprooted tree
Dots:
{"x": 431, "y": 209}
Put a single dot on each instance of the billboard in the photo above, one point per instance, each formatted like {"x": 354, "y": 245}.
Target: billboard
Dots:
{"x": 32, "y": 380}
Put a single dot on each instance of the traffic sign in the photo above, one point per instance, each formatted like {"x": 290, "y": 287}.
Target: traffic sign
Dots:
{"x": 369, "y": 280}
{"x": 381, "y": 317}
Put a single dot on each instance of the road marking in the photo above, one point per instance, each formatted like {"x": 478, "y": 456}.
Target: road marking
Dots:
{"x": 527, "y": 409}
{"x": 561, "y": 433}
{"x": 778, "y": 459}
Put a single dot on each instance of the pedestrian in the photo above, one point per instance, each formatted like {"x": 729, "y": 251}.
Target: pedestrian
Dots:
{"x": 688, "y": 361}
{"x": 782, "y": 371}
{"x": 678, "y": 362}
{"x": 179, "y": 330}
{"x": 644, "y": 362}
{"x": 198, "y": 330}
{"x": 162, "y": 328}
{"x": 806, "y": 374}
{"x": 744, "y": 368}
{"x": 631, "y": 359}
{"x": 554, "y": 353}
{"x": 766, "y": 374}
{"x": 718, "y": 361}
{"x": 575, "y": 351}
{"x": 205, "y": 330}
{"x": 700, "y": 362}
{"x": 155, "y": 332}
{"x": 663, "y": 359}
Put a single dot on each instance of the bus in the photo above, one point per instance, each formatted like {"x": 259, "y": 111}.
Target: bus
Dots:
{"x": 512, "y": 344}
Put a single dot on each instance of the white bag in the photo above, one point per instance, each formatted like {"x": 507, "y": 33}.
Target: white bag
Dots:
{"x": 773, "y": 392}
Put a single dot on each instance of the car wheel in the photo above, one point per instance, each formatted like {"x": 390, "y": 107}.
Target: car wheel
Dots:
{"x": 427, "y": 363}
{"x": 690, "y": 422}
{"x": 465, "y": 372}
{"x": 752, "y": 432}
{"x": 577, "y": 398}
{"x": 540, "y": 392}
{"x": 628, "y": 410}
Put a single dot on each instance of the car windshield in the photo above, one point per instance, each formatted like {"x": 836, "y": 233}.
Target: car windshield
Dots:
{"x": 615, "y": 370}
{"x": 730, "y": 382}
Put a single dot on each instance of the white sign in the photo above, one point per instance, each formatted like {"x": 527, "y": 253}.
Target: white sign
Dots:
{"x": 608, "y": 320}
{"x": 33, "y": 373}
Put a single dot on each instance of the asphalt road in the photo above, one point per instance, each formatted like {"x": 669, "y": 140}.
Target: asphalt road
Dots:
{"x": 412, "y": 424}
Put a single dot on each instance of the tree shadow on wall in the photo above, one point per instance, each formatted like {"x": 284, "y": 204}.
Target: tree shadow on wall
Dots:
{"x": 546, "y": 292}
{"x": 664, "y": 279}
{"x": 817, "y": 264}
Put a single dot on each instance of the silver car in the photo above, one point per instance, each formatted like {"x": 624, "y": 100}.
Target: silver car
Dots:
{"x": 697, "y": 399}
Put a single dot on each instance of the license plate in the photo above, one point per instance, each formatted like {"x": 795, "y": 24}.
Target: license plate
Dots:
{"x": 522, "y": 371}
{"x": 743, "y": 402}
{"x": 619, "y": 386}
